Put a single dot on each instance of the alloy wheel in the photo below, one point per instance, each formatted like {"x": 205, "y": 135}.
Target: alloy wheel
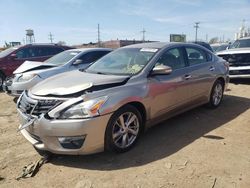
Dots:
{"x": 217, "y": 94}
{"x": 125, "y": 130}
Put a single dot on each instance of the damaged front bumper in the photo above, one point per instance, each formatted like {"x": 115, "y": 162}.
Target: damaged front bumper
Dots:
{"x": 73, "y": 137}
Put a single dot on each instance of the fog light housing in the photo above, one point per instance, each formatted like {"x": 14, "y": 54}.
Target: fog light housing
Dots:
{"x": 72, "y": 142}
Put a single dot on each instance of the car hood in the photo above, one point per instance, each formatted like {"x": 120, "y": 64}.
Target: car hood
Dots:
{"x": 74, "y": 82}
{"x": 32, "y": 65}
{"x": 234, "y": 51}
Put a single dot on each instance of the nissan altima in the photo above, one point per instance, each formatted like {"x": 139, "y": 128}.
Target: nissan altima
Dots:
{"x": 108, "y": 105}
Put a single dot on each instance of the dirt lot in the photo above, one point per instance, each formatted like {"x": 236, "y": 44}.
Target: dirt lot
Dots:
{"x": 200, "y": 148}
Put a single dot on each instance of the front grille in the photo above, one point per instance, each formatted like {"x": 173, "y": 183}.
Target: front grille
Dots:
{"x": 237, "y": 59}
{"x": 35, "y": 107}
{"x": 239, "y": 72}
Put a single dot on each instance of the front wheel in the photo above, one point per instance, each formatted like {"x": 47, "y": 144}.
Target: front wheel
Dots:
{"x": 2, "y": 77}
{"x": 216, "y": 94}
{"x": 123, "y": 130}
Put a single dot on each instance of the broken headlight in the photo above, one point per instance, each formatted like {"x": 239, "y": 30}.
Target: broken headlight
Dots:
{"x": 85, "y": 109}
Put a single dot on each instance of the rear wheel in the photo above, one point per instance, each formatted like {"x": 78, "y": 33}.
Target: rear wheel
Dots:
{"x": 123, "y": 130}
{"x": 216, "y": 94}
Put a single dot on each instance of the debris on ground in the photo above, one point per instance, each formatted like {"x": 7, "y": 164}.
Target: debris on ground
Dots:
{"x": 168, "y": 165}
{"x": 31, "y": 169}
{"x": 182, "y": 166}
{"x": 215, "y": 179}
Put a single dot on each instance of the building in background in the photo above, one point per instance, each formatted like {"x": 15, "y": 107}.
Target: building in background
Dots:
{"x": 177, "y": 38}
{"x": 112, "y": 44}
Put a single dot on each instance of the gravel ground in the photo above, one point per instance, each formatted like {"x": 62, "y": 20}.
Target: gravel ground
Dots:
{"x": 200, "y": 148}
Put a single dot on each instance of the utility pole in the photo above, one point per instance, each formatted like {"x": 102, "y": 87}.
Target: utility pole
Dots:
{"x": 206, "y": 37}
{"x": 143, "y": 34}
{"x": 196, "y": 26}
{"x": 99, "y": 38}
{"x": 51, "y": 37}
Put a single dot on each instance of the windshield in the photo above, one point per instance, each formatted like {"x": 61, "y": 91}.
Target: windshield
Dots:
{"x": 124, "y": 61}
{"x": 243, "y": 43}
{"x": 7, "y": 52}
{"x": 222, "y": 47}
{"x": 62, "y": 58}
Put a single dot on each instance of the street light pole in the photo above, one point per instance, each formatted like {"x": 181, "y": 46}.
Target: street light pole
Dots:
{"x": 196, "y": 26}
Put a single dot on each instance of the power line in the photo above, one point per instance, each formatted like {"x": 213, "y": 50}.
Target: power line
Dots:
{"x": 196, "y": 26}
{"x": 51, "y": 37}
{"x": 143, "y": 34}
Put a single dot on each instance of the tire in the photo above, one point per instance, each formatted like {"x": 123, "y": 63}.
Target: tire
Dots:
{"x": 2, "y": 78}
{"x": 216, "y": 95}
{"x": 121, "y": 137}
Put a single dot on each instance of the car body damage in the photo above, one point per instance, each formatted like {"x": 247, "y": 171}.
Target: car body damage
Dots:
{"x": 74, "y": 82}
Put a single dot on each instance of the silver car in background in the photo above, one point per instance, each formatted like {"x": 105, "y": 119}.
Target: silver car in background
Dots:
{"x": 30, "y": 73}
{"x": 109, "y": 104}
{"x": 238, "y": 57}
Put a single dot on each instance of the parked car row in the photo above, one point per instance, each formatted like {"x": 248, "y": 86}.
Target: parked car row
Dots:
{"x": 106, "y": 105}
{"x": 217, "y": 47}
{"x": 13, "y": 57}
{"x": 30, "y": 73}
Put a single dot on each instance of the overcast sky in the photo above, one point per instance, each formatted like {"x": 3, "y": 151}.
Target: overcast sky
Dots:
{"x": 75, "y": 21}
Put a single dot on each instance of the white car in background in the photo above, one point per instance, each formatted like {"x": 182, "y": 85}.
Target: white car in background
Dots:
{"x": 238, "y": 57}
{"x": 30, "y": 73}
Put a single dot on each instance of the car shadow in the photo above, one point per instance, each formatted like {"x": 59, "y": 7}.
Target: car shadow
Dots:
{"x": 164, "y": 139}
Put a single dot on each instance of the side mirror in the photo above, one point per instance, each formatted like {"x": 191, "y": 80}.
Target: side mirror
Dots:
{"x": 161, "y": 70}
{"x": 77, "y": 62}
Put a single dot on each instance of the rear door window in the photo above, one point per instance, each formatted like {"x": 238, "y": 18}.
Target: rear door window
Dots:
{"x": 47, "y": 51}
{"x": 92, "y": 56}
{"x": 195, "y": 56}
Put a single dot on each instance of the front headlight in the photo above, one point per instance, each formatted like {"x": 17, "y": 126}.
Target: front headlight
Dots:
{"x": 84, "y": 109}
{"x": 26, "y": 77}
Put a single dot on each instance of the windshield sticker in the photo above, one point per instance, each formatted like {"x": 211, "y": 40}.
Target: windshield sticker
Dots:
{"x": 149, "y": 50}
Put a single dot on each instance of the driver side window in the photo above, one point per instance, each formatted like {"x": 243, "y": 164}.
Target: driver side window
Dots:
{"x": 172, "y": 58}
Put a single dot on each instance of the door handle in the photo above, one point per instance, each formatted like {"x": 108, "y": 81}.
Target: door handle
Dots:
{"x": 187, "y": 77}
{"x": 211, "y": 68}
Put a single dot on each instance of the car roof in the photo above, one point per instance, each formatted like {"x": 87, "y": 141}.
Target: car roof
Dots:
{"x": 154, "y": 45}
{"x": 161, "y": 45}
{"x": 90, "y": 49}
{"x": 41, "y": 44}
